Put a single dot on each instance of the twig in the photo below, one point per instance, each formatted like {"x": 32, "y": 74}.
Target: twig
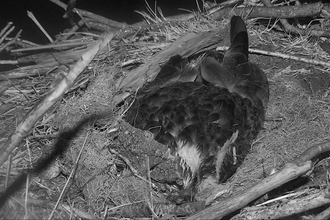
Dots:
{"x": 54, "y": 46}
{"x": 6, "y": 33}
{"x": 3, "y": 31}
{"x": 222, "y": 5}
{"x": 92, "y": 16}
{"x": 105, "y": 212}
{"x": 26, "y": 196}
{"x": 281, "y": 55}
{"x": 13, "y": 41}
{"x": 287, "y": 207}
{"x": 73, "y": 171}
{"x": 72, "y": 31}
{"x": 20, "y": 91}
{"x": 78, "y": 212}
{"x": 150, "y": 200}
{"x": 81, "y": 33}
{"x": 28, "y": 71}
{"x": 34, "y": 19}
{"x": 295, "y": 194}
{"x": 3, "y": 87}
{"x": 24, "y": 43}
{"x": 10, "y": 62}
{"x": 8, "y": 170}
{"x": 127, "y": 204}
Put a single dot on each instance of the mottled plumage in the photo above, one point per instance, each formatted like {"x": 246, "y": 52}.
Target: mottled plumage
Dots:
{"x": 208, "y": 116}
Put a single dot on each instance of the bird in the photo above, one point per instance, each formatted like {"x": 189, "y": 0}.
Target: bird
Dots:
{"x": 208, "y": 114}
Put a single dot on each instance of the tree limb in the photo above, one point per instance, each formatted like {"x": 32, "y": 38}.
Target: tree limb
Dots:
{"x": 217, "y": 211}
{"x": 306, "y": 10}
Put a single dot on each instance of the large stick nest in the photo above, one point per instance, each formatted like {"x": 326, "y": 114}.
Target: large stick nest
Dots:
{"x": 84, "y": 79}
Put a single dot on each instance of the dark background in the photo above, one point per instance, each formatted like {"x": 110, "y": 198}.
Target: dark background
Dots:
{"x": 50, "y": 15}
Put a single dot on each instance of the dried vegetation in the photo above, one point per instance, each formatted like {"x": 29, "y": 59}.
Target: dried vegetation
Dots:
{"x": 105, "y": 173}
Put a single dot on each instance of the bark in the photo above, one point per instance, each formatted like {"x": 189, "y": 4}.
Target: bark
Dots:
{"x": 230, "y": 205}
{"x": 286, "y": 207}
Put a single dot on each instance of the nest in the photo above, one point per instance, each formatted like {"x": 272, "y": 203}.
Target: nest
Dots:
{"x": 108, "y": 168}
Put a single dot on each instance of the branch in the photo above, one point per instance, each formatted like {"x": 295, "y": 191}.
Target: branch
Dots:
{"x": 6, "y": 31}
{"x": 306, "y": 10}
{"x": 313, "y": 152}
{"x": 282, "y": 55}
{"x": 56, "y": 94}
{"x": 287, "y": 207}
{"x": 300, "y": 166}
{"x": 11, "y": 42}
{"x": 217, "y": 211}
{"x": 103, "y": 20}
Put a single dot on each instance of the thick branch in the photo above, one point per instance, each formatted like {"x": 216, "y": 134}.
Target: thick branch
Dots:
{"x": 306, "y": 10}
{"x": 291, "y": 29}
{"x": 219, "y": 210}
{"x": 287, "y": 207}
{"x": 313, "y": 152}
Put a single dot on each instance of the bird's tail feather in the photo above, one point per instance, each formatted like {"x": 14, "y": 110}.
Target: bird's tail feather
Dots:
{"x": 238, "y": 37}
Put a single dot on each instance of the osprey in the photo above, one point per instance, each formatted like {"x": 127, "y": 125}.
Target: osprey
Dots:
{"x": 209, "y": 115}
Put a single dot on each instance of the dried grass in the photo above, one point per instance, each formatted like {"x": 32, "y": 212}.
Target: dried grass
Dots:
{"x": 102, "y": 182}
